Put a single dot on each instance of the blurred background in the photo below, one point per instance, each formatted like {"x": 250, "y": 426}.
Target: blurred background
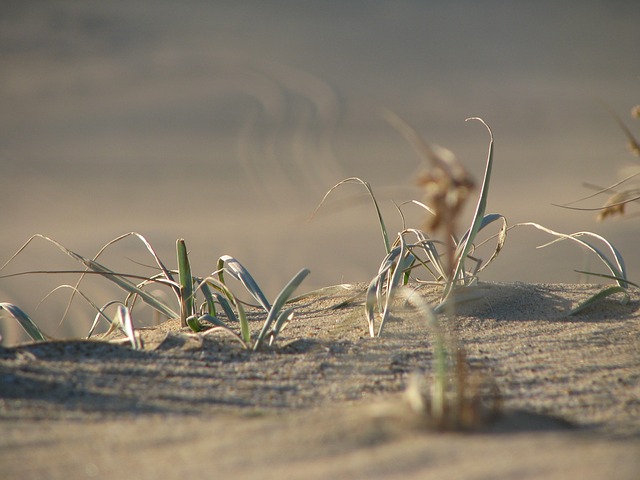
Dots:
{"x": 224, "y": 123}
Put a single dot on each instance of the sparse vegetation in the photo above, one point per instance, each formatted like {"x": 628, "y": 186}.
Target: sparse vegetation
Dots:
{"x": 456, "y": 398}
{"x": 446, "y": 187}
{"x": 201, "y": 318}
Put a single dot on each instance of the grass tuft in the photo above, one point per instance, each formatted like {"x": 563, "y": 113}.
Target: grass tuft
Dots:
{"x": 187, "y": 290}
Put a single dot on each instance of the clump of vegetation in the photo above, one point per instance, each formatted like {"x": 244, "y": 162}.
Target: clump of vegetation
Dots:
{"x": 449, "y": 259}
{"x": 201, "y": 317}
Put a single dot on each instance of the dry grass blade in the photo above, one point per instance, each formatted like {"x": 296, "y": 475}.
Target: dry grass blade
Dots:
{"x": 119, "y": 279}
{"x": 616, "y": 267}
{"x": 124, "y": 321}
{"x": 383, "y": 227}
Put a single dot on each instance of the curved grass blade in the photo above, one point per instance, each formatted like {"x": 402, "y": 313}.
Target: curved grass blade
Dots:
{"x": 140, "y": 237}
{"x": 373, "y": 299}
{"x": 599, "y": 296}
{"x": 119, "y": 279}
{"x": 610, "y": 277}
{"x": 478, "y": 217}
{"x": 383, "y": 227}
{"x": 283, "y": 320}
{"x": 225, "y": 298}
{"x": 208, "y": 296}
{"x": 617, "y": 269}
{"x": 237, "y": 270}
{"x": 228, "y": 331}
{"x": 405, "y": 260}
{"x": 100, "y": 314}
{"x": 123, "y": 318}
{"x": 25, "y": 321}
{"x": 100, "y": 311}
{"x": 211, "y": 319}
{"x": 279, "y": 302}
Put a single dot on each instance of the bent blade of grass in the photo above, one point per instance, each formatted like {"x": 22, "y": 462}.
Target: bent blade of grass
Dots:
{"x": 123, "y": 318}
{"x": 599, "y": 296}
{"x": 25, "y": 321}
{"x": 208, "y": 296}
{"x": 373, "y": 296}
{"x": 225, "y": 298}
{"x": 145, "y": 242}
{"x": 100, "y": 314}
{"x": 382, "y": 288}
{"x": 282, "y": 321}
{"x": 224, "y": 329}
{"x": 211, "y": 319}
{"x": 610, "y": 277}
{"x": 478, "y": 216}
{"x": 167, "y": 274}
{"x": 617, "y": 269}
{"x": 428, "y": 246}
{"x": 404, "y": 262}
{"x": 279, "y": 302}
{"x": 119, "y": 279}
{"x": 383, "y": 227}
{"x": 501, "y": 236}
{"x": 100, "y": 311}
{"x": 237, "y": 270}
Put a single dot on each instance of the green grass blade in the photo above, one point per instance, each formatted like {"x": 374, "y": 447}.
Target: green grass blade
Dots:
{"x": 211, "y": 319}
{"x": 599, "y": 296}
{"x": 226, "y": 307}
{"x": 610, "y": 277}
{"x": 279, "y": 302}
{"x": 25, "y": 321}
{"x": 208, "y": 296}
{"x": 186, "y": 282}
{"x": 282, "y": 321}
{"x": 237, "y": 270}
{"x": 245, "y": 331}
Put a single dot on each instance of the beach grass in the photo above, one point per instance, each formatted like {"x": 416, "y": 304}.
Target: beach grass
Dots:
{"x": 200, "y": 318}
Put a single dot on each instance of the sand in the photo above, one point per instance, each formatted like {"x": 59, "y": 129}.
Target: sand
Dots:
{"x": 327, "y": 401}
